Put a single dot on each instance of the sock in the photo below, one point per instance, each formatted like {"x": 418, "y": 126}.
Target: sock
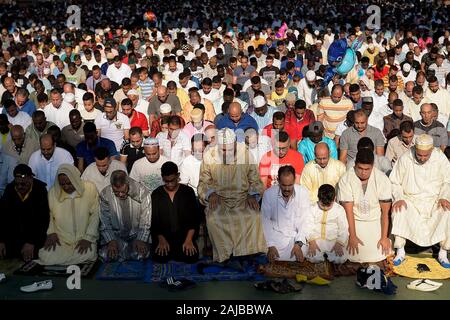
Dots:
{"x": 443, "y": 256}
{"x": 400, "y": 254}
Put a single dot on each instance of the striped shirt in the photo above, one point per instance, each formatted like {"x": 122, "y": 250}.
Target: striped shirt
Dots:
{"x": 334, "y": 114}
{"x": 146, "y": 88}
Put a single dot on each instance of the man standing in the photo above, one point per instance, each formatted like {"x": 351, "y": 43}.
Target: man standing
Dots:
{"x": 162, "y": 97}
{"x": 175, "y": 222}
{"x": 73, "y": 133}
{"x": 197, "y": 124}
{"x": 175, "y": 144}
{"x": 350, "y": 137}
{"x": 147, "y": 170}
{"x": 137, "y": 119}
{"x": 421, "y": 191}
{"x": 134, "y": 149}
{"x": 365, "y": 193}
{"x": 393, "y": 121}
{"x": 400, "y": 144}
{"x": 45, "y": 162}
{"x": 113, "y": 125}
{"x": 24, "y": 216}
{"x": 429, "y": 125}
{"x": 281, "y": 155}
{"x": 284, "y": 208}
{"x": 297, "y": 119}
{"x": 322, "y": 170}
{"x": 39, "y": 126}
{"x": 333, "y": 110}
{"x": 315, "y": 136}
{"x": 230, "y": 187}
{"x": 99, "y": 173}
{"x": 125, "y": 219}
{"x": 118, "y": 71}
{"x": 439, "y": 96}
{"x": 16, "y": 117}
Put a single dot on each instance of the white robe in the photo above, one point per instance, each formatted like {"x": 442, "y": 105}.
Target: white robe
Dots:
{"x": 367, "y": 211}
{"x": 283, "y": 222}
{"x": 421, "y": 186}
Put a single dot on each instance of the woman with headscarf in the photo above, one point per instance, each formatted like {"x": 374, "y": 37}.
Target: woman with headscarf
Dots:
{"x": 74, "y": 218}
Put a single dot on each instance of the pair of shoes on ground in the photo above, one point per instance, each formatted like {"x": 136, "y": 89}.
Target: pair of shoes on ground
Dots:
{"x": 179, "y": 284}
{"x": 38, "y": 286}
{"x": 424, "y": 285}
{"x": 280, "y": 286}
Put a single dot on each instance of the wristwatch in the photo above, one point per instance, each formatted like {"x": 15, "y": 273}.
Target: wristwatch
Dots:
{"x": 300, "y": 243}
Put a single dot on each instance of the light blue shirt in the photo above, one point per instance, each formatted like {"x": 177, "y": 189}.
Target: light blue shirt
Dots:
{"x": 306, "y": 148}
{"x": 7, "y": 165}
{"x": 45, "y": 170}
{"x": 264, "y": 120}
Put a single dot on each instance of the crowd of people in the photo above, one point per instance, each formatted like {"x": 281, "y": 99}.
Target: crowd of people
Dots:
{"x": 214, "y": 134}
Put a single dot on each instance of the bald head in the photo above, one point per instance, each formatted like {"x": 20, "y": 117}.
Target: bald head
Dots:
{"x": 17, "y": 130}
{"x": 48, "y": 146}
{"x": 162, "y": 94}
{"x": 322, "y": 154}
{"x": 235, "y": 112}
{"x": 17, "y": 135}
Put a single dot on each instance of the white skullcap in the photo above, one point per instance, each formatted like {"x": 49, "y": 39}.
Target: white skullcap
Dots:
{"x": 226, "y": 136}
{"x": 69, "y": 97}
{"x": 310, "y": 75}
{"x": 165, "y": 108}
{"x": 88, "y": 38}
{"x": 132, "y": 92}
{"x": 259, "y": 102}
{"x": 219, "y": 29}
{"x": 179, "y": 53}
{"x": 151, "y": 142}
{"x": 317, "y": 32}
{"x": 198, "y": 32}
{"x": 406, "y": 67}
{"x": 291, "y": 97}
{"x": 424, "y": 142}
{"x": 382, "y": 49}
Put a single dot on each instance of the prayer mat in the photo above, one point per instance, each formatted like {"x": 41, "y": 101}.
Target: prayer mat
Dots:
{"x": 33, "y": 268}
{"x": 351, "y": 268}
{"x": 409, "y": 268}
{"x": 126, "y": 270}
{"x": 289, "y": 269}
{"x": 8, "y": 266}
{"x": 238, "y": 269}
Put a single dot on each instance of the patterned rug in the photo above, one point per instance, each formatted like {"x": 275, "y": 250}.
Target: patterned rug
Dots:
{"x": 127, "y": 270}
{"x": 409, "y": 268}
{"x": 237, "y": 270}
{"x": 289, "y": 269}
{"x": 8, "y": 266}
{"x": 33, "y": 268}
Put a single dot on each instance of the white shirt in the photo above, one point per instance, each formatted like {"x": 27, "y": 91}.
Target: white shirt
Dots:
{"x": 264, "y": 145}
{"x": 88, "y": 115}
{"x": 190, "y": 84}
{"x": 21, "y": 119}
{"x": 212, "y": 96}
{"x": 45, "y": 170}
{"x": 172, "y": 75}
{"x": 117, "y": 75}
{"x": 211, "y": 53}
{"x": 101, "y": 181}
{"x": 113, "y": 129}
{"x": 59, "y": 116}
{"x": 142, "y": 106}
{"x": 309, "y": 95}
{"x": 190, "y": 172}
{"x": 410, "y": 77}
{"x": 147, "y": 173}
{"x": 175, "y": 153}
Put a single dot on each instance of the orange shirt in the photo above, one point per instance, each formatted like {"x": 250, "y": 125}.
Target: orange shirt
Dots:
{"x": 270, "y": 163}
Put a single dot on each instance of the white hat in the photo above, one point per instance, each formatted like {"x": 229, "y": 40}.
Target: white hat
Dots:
{"x": 424, "y": 142}
{"x": 132, "y": 92}
{"x": 151, "y": 142}
{"x": 107, "y": 29}
{"x": 317, "y": 32}
{"x": 219, "y": 29}
{"x": 406, "y": 67}
{"x": 371, "y": 46}
{"x": 319, "y": 41}
{"x": 382, "y": 49}
{"x": 198, "y": 32}
{"x": 259, "y": 102}
{"x": 101, "y": 33}
{"x": 165, "y": 108}
{"x": 310, "y": 75}
{"x": 125, "y": 32}
{"x": 69, "y": 97}
{"x": 88, "y": 38}
{"x": 226, "y": 136}
{"x": 179, "y": 53}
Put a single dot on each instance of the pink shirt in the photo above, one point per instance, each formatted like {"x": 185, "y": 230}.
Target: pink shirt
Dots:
{"x": 190, "y": 130}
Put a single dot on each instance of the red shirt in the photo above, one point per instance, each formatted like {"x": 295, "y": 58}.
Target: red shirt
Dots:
{"x": 270, "y": 163}
{"x": 380, "y": 74}
{"x": 139, "y": 120}
{"x": 156, "y": 126}
{"x": 294, "y": 127}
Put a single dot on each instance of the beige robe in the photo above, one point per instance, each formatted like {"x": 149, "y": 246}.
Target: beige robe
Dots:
{"x": 313, "y": 176}
{"x": 421, "y": 186}
{"x": 233, "y": 228}
{"x": 367, "y": 211}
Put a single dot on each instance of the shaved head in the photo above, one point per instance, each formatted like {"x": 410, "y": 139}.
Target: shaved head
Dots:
{"x": 322, "y": 154}
{"x": 235, "y": 112}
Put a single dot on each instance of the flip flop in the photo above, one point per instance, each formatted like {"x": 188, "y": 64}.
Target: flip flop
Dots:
{"x": 301, "y": 278}
{"x": 423, "y": 285}
{"x": 318, "y": 281}
{"x": 399, "y": 261}
{"x": 444, "y": 264}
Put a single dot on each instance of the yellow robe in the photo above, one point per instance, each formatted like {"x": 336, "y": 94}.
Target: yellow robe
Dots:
{"x": 72, "y": 220}
{"x": 367, "y": 211}
{"x": 313, "y": 176}
{"x": 233, "y": 228}
{"x": 421, "y": 186}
